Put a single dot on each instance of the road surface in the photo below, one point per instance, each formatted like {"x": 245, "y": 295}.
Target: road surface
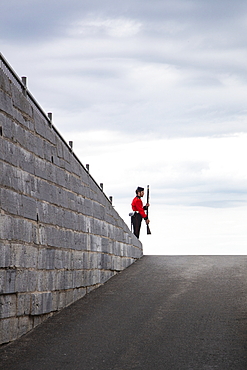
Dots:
{"x": 162, "y": 313}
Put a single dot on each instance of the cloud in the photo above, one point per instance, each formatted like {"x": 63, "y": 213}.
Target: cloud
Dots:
{"x": 117, "y": 27}
{"x": 150, "y": 93}
{"x": 187, "y": 172}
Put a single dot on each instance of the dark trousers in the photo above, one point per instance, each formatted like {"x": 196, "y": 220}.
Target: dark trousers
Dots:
{"x": 136, "y": 221}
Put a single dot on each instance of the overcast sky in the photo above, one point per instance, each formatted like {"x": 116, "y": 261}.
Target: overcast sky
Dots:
{"x": 150, "y": 92}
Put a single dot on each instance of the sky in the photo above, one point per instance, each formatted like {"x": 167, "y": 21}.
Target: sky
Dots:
{"x": 151, "y": 93}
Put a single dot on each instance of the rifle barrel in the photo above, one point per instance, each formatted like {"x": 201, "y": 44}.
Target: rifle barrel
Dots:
{"x": 148, "y": 229}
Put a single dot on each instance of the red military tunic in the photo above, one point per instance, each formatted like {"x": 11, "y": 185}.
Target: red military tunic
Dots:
{"x": 137, "y": 206}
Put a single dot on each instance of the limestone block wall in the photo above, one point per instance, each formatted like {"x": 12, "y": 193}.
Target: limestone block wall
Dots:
{"x": 60, "y": 237}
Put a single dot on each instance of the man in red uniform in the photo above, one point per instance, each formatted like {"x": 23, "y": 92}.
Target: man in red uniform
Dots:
{"x": 139, "y": 214}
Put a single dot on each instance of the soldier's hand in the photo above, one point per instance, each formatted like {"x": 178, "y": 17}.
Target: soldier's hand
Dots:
{"x": 147, "y": 221}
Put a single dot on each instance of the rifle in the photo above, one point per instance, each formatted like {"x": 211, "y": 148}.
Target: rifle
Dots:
{"x": 148, "y": 229}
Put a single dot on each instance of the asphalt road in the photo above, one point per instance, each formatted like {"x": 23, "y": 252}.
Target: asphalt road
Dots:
{"x": 163, "y": 312}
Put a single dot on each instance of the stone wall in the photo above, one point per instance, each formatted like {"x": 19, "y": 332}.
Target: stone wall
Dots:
{"x": 60, "y": 237}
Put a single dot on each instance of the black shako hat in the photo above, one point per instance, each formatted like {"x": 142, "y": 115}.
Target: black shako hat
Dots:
{"x": 139, "y": 189}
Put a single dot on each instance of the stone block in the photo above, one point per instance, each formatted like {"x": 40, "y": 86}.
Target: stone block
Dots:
{"x": 41, "y": 283}
{"x": 23, "y": 304}
{"x": 39, "y": 171}
{"x": 106, "y": 275}
{"x": 116, "y": 248}
{"x": 84, "y": 177}
{"x": 105, "y": 245}
{"x": 41, "y": 125}
{"x": 50, "y": 280}
{"x": 53, "y": 236}
{"x": 91, "y": 277}
{"x": 5, "y": 253}
{"x": 45, "y": 189}
{"x": 8, "y": 329}
{"x": 60, "y": 197}
{"x": 55, "y": 301}
{"x": 27, "y": 139}
{"x": 104, "y": 229}
{"x": 50, "y": 259}
{"x": 23, "y": 119}
{"x": 110, "y": 220}
{"x": 106, "y": 261}
{"x": 60, "y": 177}
{"x": 93, "y": 287}
{"x": 81, "y": 223}
{"x": 60, "y": 147}
{"x": 28, "y": 184}
{"x": 7, "y": 127}
{"x": 68, "y": 279}
{"x": 41, "y": 235}
{"x": 49, "y": 150}
{"x": 41, "y": 303}
{"x": 98, "y": 211}
{"x": 59, "y": 259}
{"x": 79, "y": 293}
{"x": 10, "y": 201}
{"x": 42, "y": 259}
{"x": 78, "y": 278}
{"x": 7, "y": 306}
{"x": 95, "y": 243}
{"x": 2, "y": 154}
{"x": 5, "y": 83}
{"x": 69, "y": 220}
{"x": 26, "y": 161}
{"x": 2, "y": 280}
{"x": 96, "y": 275}
{"x": 80, "y": 241}
{"x": 94, "y": 262}
{"x": 96, "y": 226}
{"x": 36, "y": 145}
{"x": 24, "y": 231}
{"x": 32, "y": 280}
{"x": 25, "y": 324}
{"x": 69, "y": 297}
{"x": 60, "y": 280}
{"x": 50, "y": 171}
{"x": 88, "y": 207}
{"x": 61, "y": 300}
{"x": 21, "y": 135}
{"x": 26, "y": 281}
{"x": 20, "y": 102}
{"x": 17, "y": 256}
{"x": 75, "y": 164}
{"x": 114, "y": 263}
{"x": 21, "y": 283}
{"x": 43, "y": 211}
{"x": 65, "y": 239}
{"x": 30, "y": 256}
{"x": 67, "y": 260}
{"x": 84, "y": 191}
{"x": 6, "y": 103}
{"x": 78, "y": 260}
{"x": 117, "y": 263}
{"x": 67, "y": 157}
{"x": 28, "y": 208}
{"x": 8, "y": 281}
{"x": 72, "y": 201}
{"x": 6, "y": 172}
{"x": 86, "y": 260}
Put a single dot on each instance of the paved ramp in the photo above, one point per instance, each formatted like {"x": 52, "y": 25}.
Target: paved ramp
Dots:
{"x": 167, "y": 313}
